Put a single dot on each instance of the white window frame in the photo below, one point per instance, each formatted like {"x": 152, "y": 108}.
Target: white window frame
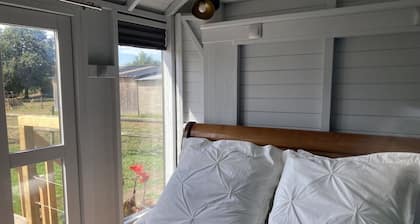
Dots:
{"x": 67, "y": 151}
{"x": 169, "y": 98}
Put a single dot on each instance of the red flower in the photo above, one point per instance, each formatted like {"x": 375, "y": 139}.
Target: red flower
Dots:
{"x": 141, "y": 174}
{"x": 138, "y": 169}
{"x": 144, "y": 177}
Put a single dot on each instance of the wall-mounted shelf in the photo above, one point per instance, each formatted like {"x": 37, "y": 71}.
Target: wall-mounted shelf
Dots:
{"x": 381, "y": 18}
{"x": 101, "y": 43}
{"x": 103, "y": 71}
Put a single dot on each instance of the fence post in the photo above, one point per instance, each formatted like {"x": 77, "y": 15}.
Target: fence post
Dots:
{"x": 29, "y": 194}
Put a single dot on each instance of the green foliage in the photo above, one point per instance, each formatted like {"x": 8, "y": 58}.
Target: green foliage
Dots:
{"x": 28, "y": 59}
{"x": 144, "y": 59}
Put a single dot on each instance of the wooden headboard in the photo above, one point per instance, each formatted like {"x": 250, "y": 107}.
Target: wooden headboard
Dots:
{"x": 321, "y": 143}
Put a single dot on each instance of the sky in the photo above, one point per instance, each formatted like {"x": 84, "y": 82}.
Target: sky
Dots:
{"x": 128, "y": 54}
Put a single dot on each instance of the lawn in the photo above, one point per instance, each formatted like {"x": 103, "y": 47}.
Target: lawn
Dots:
{"x": 142, "y": 143}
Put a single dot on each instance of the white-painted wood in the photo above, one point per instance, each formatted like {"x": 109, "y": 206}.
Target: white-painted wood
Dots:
{"x": 401, "y": 126}
{"x": 281, "y": 105}
{"x": 379, "y": 58}
{"x": 298, "y": 91}
{"x": 396, "y": 91}
{"x": 192, "y": 68}
{"x": 288, "y": 62}
{"x": 282, "y": 49}
{"x": 197, "y": 43}
{"x": 68, "y": 150}
{"x": 367, "y": 23}
{"x": 282, "y": 120}
{"x": 284, "y": 89}
{"x": 220, "y": 83}
{"x": 175, "y": 6}
{"x": 254, "y": 8}
{"x": 169, "y": 92}
{"x": 379, "y": 75}
{"x": 331, "y": 3}
{"x": 6, "y": 208}
{"x": 179, "y": 81}
{"x": 327, "y": 84}
{"x": 391, "y": 108}
{"x": 346, "y": 3}
{"x": 137, "y": 12}
{"x": 132, "y": 4}
{"x": 390, "y": 6}
{"x": 282, "y": 77}
{"x": 97, "y": 115}
{"x": 376, "y": 85}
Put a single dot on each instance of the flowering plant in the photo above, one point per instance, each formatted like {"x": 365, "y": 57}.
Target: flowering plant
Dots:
{"x": 141, "y": 176}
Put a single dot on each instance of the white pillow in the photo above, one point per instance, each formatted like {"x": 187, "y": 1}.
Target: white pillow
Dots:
{"x": 220, "y": 182}
{"x": 379, "y": 188}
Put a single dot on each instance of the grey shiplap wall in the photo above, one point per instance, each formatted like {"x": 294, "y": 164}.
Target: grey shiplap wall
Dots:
{"x": 344, "y": 3}
{"x": 193, "y": 79}
{"x": 281, "y": 84}
{"x": 377, "y": 85}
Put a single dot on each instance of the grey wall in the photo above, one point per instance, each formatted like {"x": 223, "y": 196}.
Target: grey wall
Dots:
{"x": 375, "y": 88}
{"x": 343, "y": 3}
{"x": 377, "y": 85}
{"x": 281, "y": 84}
{"x": 193, "y": 78}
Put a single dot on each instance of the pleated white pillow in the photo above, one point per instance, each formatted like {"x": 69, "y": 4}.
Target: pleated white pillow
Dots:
{"x": 375, "y": 189}
{"x": 229, "y": 182}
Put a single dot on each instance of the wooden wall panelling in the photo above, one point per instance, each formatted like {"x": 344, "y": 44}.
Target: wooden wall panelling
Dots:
{"x": 377, "y": 85}
{"x": 281, "y": 84}
{"x": 220, "y": 83}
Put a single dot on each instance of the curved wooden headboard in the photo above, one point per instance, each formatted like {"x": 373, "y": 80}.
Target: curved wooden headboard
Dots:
{"x": 321, "y": 143}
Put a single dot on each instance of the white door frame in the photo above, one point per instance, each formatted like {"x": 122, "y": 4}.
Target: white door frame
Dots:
{"x": 67, "y": 151}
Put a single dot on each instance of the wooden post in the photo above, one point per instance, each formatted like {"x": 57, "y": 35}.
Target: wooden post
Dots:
{"x": 38, "y": 197}
{"x": 52, "y": 199}
{"x": 28, "y": 192}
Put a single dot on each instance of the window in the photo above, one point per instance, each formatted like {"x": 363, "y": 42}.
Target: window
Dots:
{"x": 141, "y": 109}
{"x": 37, "y": 132}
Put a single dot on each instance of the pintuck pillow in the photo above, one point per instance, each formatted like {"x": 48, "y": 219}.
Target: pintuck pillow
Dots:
{"x": 220, "y": 182}
{"x": 379, "y": 189}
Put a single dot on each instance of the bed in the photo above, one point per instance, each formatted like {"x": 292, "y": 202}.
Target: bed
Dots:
{"x": 320, "y": 143}
{"x": 327, "y": 147}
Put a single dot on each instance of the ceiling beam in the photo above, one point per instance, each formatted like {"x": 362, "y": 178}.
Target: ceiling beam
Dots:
{"x": 132, "y": 4}
{"x": 175, "y": 6}
{"x": 123, "y": 8}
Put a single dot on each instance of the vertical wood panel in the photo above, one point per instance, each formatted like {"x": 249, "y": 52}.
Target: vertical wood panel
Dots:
{"x": 221, "y": 80}
{"x": 327, "y": 84}
{"x": 192, "y": 73}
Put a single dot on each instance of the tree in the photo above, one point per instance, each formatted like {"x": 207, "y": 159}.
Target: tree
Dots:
{"x": 143, "y": 59}
{"x": 28, "y": 59}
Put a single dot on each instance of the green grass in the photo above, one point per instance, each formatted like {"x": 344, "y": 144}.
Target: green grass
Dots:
{"x": 142, "y": 143}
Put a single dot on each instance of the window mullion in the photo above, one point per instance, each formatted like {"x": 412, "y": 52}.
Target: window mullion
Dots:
{"x": 6, "y": 210}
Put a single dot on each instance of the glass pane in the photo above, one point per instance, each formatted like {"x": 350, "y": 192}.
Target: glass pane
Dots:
{"x": 29, "y": 63}
{"x": 141, "y": 127}
{"x": 38, "y": 193}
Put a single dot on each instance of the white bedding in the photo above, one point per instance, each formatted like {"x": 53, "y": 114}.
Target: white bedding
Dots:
{"x": 374, "y": 189}
{"x": 229, "y": 182}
